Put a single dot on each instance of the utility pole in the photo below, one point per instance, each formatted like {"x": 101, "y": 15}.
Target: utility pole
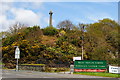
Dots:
{"x": 82, "y": 28}
{"x": 50, "y": 22}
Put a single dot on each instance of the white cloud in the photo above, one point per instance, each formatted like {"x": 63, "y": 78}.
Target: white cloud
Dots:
{"x": 20, "y": 14}
{"x": 26, "y": 17}
{"x": 2, "y": 18}
{"x": 46, "y": 20}
{"x": 98, "y": 16}
{"x": 4, "y": 23}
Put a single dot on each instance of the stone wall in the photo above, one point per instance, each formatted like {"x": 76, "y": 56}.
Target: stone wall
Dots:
{"x": 32, "y": 67}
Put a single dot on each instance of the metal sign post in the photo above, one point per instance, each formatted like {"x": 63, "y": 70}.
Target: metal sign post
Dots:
{"x": 17, "y": 56}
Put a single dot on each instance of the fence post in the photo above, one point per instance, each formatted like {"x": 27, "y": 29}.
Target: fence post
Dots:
{"x": 71, "y": 69}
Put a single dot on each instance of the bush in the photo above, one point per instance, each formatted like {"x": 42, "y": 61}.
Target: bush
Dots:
{"x": 50, "y": 31}
{"x": 10, "y": 65}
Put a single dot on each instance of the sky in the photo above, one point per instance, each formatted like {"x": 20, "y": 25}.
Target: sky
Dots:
{"x": 33, "y": 13}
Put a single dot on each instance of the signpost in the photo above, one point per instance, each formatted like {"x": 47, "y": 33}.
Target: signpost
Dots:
{"x": 17, "y": 56}
{"x": 90, "y": 66}
{"x": 114, "y": 69}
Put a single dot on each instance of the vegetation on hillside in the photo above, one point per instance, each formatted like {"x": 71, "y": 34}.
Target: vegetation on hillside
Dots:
{"x": 59, "y": 45}
{"x": 110, "y": 75}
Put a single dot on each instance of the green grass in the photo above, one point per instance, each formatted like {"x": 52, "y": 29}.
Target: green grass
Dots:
{"x": 34, "y": 64}
{"x": 1, "y": 63}
{"x": 99, "y": 74}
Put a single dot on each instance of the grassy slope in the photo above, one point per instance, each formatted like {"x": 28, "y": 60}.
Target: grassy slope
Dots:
{"x": 100, "y": 74}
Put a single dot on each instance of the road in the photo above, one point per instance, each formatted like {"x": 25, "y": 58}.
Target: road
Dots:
{"x": 34, "y": 74}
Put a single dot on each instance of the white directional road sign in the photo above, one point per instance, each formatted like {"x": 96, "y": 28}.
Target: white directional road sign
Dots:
{"x": 114, "y": 69}
{"x": 76, "y": 58}
{"x": 17, "y": 53}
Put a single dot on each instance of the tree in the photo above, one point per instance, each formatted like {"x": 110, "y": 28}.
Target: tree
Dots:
{"x": 101, "y": 42}
{"x": 33, "y": 34}
{"x": 102, "y": 36}
{"x": 50, "y": 30}
{"x": 65, "y": 25}
{"x": 14, "y": 34}
{"x": 16, "y": 28}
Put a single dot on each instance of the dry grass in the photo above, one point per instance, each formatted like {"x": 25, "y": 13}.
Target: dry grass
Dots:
{"x": 49, "y": 40}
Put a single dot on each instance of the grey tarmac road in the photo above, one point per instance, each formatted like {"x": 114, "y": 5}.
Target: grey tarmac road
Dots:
{"x": 35, "y": 74}
{"x": 9, "y": 74}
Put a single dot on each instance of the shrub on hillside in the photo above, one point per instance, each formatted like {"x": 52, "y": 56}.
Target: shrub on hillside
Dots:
{"x": 50, "y": 31}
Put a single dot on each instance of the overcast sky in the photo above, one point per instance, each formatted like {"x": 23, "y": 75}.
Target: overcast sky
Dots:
{"x": 37, "y": 13}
